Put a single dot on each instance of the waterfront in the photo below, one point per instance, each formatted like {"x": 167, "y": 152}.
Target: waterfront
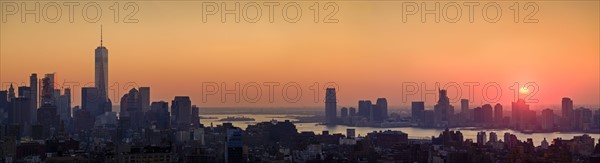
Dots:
{"x": 413, "y": 132}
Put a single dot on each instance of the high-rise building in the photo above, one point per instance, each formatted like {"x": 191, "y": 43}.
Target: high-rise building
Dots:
{"x": 464, "y": 109}
{"x": 352, "y": 112}
{"x": 520, "y": 110}
{"x": 4, "y": 107}
{"x": 443, "y": 110}
{"x": 162, "y": 116}
{"x": 428, "y": 118}
{"x": 82, "y": 119}
{"x": 20, "y": 112}
{"x": 23, "y": 91}
{"x": 145, "y": 98}
{"x": 488, "y": 113}
{"x": 48, "y": 118}
{"x": 493, "y": 137}
{"x": 101, "y": 70}
{"x": 131, "y": 107}
{"x": 478, "y": 115}
{"x": 90, "y": 101}
{"x": 33, "y": 90}
{"x": 498, "y": 115}
{"x": 11, "y": 93}
{"x": 27, "y": 116}
{"x": 567, "y": 111}
{"x": 481, "y": 138}
{"x": 47, "y": 93}
{"x": 195, "y": 118}
{"x": 23, "y": 110}
{"x": 330, "y": 106}
{"x": 344, "y": 112}
{"x": 64, "y": 106}
{"x": 464, "y": 105}
{"x": 363, "y": 108}
{"x": 582, "y": 118}
{"x": 181, "y": 111}
{"x": 374, "y": 111}
{"x": 235, "y": 146}
{"x": 417, "y": 108}
{"x": 547, "y": 119}
{"x": 382, "y": 109}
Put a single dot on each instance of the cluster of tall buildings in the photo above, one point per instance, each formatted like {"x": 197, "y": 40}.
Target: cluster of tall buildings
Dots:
{"x": 43, "y": 109}
{"x": 31, "y": 108}
{"x": 521, "y": 117}
{"x": 367, "y": 112}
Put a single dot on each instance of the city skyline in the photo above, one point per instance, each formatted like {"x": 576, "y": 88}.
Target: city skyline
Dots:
{"x": 196, "y": 59}
{"x": 300, "y": 81}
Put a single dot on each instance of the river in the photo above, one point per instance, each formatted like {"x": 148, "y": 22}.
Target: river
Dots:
{"x": 413, "y": 132}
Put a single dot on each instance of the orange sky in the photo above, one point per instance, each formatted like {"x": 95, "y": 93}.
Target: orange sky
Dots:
{"x": 369, "y": 53}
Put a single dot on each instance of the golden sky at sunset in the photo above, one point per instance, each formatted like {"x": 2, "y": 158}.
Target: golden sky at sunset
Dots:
{"x": 369, "y": 53}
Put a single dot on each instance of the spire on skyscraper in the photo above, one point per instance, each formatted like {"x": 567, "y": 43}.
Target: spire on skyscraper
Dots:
{"x": 100, "y": 35}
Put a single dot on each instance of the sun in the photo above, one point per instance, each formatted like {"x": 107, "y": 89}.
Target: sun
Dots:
{"x": 523, "y": 90}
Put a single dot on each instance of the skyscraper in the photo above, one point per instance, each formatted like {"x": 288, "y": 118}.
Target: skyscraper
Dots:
{"x": 547, "y": 119}
{"x": 344, "y": 112}
{"x": 352, "y": 112}
{"x": 493, "y": 137}
{"x": 382, "y": 107}
{"x": 464, "y": 109}
{"x": 3, "y": 107}
{"x": 47, "y": 93}
{"x": 64, "y": 106}
{"x": 498, "y": 116}
{"x": 478, "y": 115}
{"x": 90, "y": 101}
{"x": 235, "y": 146}
{"x": 131, "y": 107}
{"x": 101, "y": 70}
{"x": 567, "y": 112}
{"x": 520, "y": 111}
{"x": 181, "y": 111}
{"x": 11, "y": 93}
{"x": 195, "y": 118}
{"x": 33, "y": 90}
{"x": 363, "y": 108}
{"x": 145, "y": 98}
{"x": 161, "y": 111}
{"x": 330, "y": 106}
{"x": 488, "y": 113}
{"x": 443, "y": 110}
{"x": 417, "y": 109}
{"x": 481, "y": 138}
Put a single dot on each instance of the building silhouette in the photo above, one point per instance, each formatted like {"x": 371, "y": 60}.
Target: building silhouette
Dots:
{"x": 464, "y": 109}
{"x": 417, "y": 109}
{"x": 498, "y": 114}
{"x": 181, "y": 111}
{"x": 382, "y": 110}
{"x": 344, "y": 112}
{"x": 567, "y": 112}
{"x": 364, "y": 108}
{"x": 547, "y": 119}
{"x": 101, "y": 76}
{"x": 330, "y": 106}
{"x": 520, "y": 114}
{"x": 443, "y": 110}
{"x": 90, "y": 101}
{"x": 34, "y": 94}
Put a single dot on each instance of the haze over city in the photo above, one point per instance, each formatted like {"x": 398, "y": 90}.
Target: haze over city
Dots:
{"x": 370, "y": 52}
